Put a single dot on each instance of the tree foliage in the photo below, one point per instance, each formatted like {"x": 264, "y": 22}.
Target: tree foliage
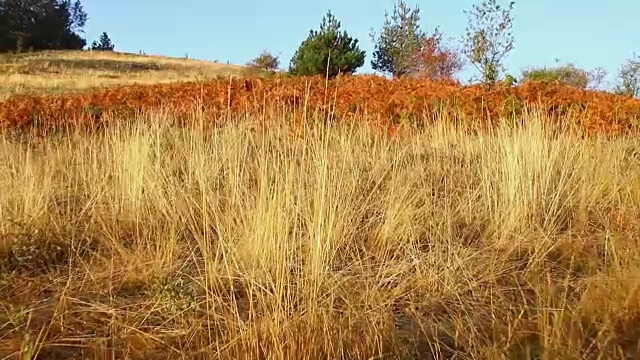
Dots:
{"x": 399, "y": 41}
{"x": 266, "y": 61}
{"x": 436, "y": 61}
{"x": 402, "y": 48}
{"x": 41, "y": 25}
{"x": 103, "y": 44}
{"x": 327, "y": 51}
{"x": 629, "y": 77}
{"x": 567, "y": 74}
{"x": 489, "y": 38}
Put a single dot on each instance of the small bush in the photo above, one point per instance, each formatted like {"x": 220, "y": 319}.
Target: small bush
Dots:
{"x": 265, "y": 62}
{"x": 569, "y": 75}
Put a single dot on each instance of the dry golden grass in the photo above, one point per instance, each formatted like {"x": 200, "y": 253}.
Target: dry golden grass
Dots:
{"x": 68, "y": 71}
{"x": 149, "y": 241}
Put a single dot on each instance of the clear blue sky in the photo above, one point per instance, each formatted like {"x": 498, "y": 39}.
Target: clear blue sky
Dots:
{"x": 588, "y": 33}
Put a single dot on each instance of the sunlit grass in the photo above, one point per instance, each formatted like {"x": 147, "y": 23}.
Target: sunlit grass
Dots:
{"x": 146, "y": 240}
{"x": 56, "y": 72}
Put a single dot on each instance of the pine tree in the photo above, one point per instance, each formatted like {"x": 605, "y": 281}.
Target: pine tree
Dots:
{"x": 327, "y": 51}
{"x": 103, "y": 44}
{"x": 399, "y": 41}
{"x": 403, "y": 49}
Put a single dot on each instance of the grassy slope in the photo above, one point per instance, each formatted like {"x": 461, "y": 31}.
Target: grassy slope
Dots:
{"x": 64, "y": 71}
{"x": 154, "y": 242}
{"x": 159, "y": 242}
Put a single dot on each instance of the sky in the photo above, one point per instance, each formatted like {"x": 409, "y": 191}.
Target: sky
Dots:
{"x": 586, "y": 33}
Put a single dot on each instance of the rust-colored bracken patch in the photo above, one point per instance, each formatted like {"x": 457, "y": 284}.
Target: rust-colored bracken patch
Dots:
{"x": 381, "y": 100}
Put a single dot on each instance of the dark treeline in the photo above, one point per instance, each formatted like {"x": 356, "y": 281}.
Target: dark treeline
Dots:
{"x": 32, "y": 25}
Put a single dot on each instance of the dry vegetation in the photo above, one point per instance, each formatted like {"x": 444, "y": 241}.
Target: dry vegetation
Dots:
{"x": 386, "y": 102}
{"x": 72, "y": 71}
{"x": 145, "y": 240}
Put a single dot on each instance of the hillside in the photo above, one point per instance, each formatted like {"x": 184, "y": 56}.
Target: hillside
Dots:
{"x": 69, "y": 71}
{"x": 437, "y": 221}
